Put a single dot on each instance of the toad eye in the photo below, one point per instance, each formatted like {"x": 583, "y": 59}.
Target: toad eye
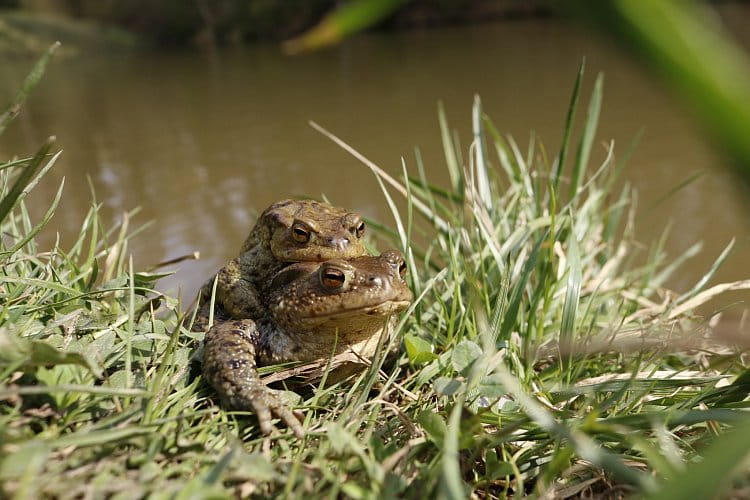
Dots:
{"x": 332, "y": 278}
{"x": 300, "y": 233}
{"x": 360, "y": 231}
{"x": 402, "y": 269}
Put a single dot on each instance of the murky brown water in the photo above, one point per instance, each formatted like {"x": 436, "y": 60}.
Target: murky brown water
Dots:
{"x": 202, "y": 140}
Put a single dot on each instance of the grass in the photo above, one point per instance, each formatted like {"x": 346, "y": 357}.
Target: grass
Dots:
{"x": 539, "y": 356}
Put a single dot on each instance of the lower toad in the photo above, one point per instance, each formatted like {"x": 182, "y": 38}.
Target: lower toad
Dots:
{"x": 313, "y": 311}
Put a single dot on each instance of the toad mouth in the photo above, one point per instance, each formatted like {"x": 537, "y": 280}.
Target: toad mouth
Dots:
{"x": 390, "y": 306}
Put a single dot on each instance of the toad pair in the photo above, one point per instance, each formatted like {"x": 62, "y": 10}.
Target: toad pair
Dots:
{"x": 303, "y": 288}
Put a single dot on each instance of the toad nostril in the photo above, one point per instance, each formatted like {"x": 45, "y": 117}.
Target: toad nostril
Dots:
{"x": 337, "y": 242}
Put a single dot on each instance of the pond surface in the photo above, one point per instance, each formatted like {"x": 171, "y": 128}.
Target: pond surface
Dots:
{"x": 201, "y": 141}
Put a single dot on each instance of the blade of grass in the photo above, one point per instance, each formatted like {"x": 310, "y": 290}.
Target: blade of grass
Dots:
{"x": 346, "y": 20}
{"x": 568, "y": 127}
{"x": 509, "y": 321}
{"x": 14, "y": 163}
{"x": 570, "y": 306}
{"x": 712, "y": 475}
{"x": 584, "y": 446}
{"x": 28, "y": 85}
{"x": 452, "y": 484}
{"x": 707, "y": 295}
{"x": 38, "y": 227}
{"x": 707, "y": 277}
{"x": 23, "y": 180}
{"x": 587, "y": 139}
{"x": 483, "y": 178}
{"x": 424, "y": 209}
{"x": 454, "y": 170}
{"x": 689, "y": 180}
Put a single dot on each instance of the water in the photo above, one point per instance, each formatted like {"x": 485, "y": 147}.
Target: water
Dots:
{"x": 201, "y": 141}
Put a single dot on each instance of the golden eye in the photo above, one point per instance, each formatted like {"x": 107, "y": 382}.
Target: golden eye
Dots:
{"x": 332, "y": 278}
{"x": 300, "y": 233}
{"x": 402, "y": 268}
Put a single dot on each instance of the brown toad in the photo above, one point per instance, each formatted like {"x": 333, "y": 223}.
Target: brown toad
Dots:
{"x": 288, "y": 231}
{"x": 314, "y": 311}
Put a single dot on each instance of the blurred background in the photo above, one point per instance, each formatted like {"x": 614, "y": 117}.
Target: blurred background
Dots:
{"x": 197, "y": 112}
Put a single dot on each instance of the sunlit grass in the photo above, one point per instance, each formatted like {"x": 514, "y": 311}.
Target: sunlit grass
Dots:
{"x": 538, "y": 358}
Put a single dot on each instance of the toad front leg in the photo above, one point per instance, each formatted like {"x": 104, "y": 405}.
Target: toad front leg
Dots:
{"x": 229, "y": 365}
{"x": 236, "y": 295}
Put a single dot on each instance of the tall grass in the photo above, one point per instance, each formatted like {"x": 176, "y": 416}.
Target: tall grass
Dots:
{"x": 538, "y": 358}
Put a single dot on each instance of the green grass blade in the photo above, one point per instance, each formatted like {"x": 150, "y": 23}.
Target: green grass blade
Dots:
{"x": 509, "y": 321}
{"x": 38, "y": 227}
{"x": 707, "y": 277}
{"x": 394, "y": 211}
{"x": 454, "y": 169}
{"x": 480, "y": 164}
{"x": 24, "y": 179}
{"x": 570, "y": 306}
{"x": 585, "y": 447}
{"x": 452, "y": 484}
{"x": 678, "y": 187}
{"x": 28, "y": 85}
{"x": 712, "y": 475}
{"x": 418, "y": 204}
{"x": 348, "y": 19}
{"x": 568, "y": 127}
{"x": 695, "y": 53}
{"x": 14, "y": 163}
{"x": 587, "y": 139}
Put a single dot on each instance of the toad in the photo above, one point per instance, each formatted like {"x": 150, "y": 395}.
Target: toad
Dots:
{"x": 313, "y": 311}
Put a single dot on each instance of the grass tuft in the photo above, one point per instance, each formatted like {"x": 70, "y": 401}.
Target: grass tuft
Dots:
{"x": 539, "y": 358}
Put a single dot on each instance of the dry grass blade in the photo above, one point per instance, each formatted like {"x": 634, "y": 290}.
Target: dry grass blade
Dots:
{"x": 423, "y": 208}
{"x": 707, "y": 295}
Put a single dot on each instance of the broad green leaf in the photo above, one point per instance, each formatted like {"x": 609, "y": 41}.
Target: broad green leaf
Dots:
{"x": 492, "y": 387}
{"x": 255, "y": 466}
{"x": 433, "y": 424}
{"x": 464, "y": 354}
{"x": 29, "y": 353}
{"x": 342, "y": 440}
{"x": 148, "y": 280}
{"x": 496, "y": 468}
{"x": 447, "y": 386}
{"x": 418, "y": 349}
